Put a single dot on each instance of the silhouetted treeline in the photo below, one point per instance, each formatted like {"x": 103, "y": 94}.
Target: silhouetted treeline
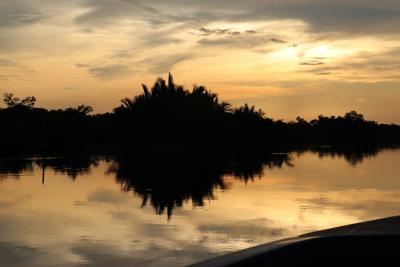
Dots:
{"x": 168, "y": 115}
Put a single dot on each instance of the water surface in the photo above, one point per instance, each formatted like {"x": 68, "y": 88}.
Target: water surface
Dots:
{"x": 108, "y": 211}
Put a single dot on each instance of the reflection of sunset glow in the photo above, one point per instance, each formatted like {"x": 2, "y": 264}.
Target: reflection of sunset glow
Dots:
{"x": 62, "y": 216}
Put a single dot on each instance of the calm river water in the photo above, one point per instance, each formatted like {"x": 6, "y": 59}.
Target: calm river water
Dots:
{"x": 108, "y": 211}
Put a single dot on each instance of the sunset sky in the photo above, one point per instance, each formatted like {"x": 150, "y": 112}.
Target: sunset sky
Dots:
{"x": 288, "y": 57}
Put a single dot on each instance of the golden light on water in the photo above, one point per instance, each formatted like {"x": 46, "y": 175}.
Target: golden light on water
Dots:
{"x": 69, "y": 221}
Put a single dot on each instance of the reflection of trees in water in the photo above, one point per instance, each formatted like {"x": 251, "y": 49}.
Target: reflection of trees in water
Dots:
{"x": 353, "y": 155}
{"x": 14, "y": 167}
{"x": 168, "y": 180}
{"x": 247, "y": 166}
{"x": 70, "y": 166}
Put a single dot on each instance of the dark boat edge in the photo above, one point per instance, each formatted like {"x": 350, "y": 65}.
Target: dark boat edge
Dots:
{"x": 370, "y": 231}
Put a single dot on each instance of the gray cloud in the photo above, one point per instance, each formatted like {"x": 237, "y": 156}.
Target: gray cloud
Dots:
{"x": 14, "y": 66}
{"x": 113, "y": 71}
{"x": 164, "y": 64}
{"x": 345, "y": 16}
{"x": 158, "y": 39}
{"x": 206, "y": 32}
{"x": 122, "y": 54}
{"x": 157, "y": 65}
{"x": 87, "y": 31}
{"x": 104, "y": 11}
{"x": 19, "y": 18}
{"x": 218, "y": 42}
{"x": 251, "y": 31}
{"x": 243, "y": 42}
{"x": 322, "y": 69}
{"x": 10, "y": 70}
{"x": 247, "y": 39}
{"x": 82, "y": 65}
{"x": 18, "y": 13}
{"x": 323, "y": 73}
{"x": 312, "y": 63}
{"x": 276, "y": 40}
{"x": 387, "y": 61}
{"x": 322, "y": 16}
{"x": 148, "y": 40}
{"x": 356, "y": 16}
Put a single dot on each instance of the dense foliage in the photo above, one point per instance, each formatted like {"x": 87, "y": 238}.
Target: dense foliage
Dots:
{"x": 169, "y": 115}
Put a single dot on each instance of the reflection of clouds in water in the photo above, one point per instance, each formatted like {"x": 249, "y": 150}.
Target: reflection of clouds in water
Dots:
{"x": 246, "y": 231}
{"x": 152, "y": 255}
{"x": 148, "y": 245}
{"x": 9, "y": 203}
{"x": 14, "y": 254}
{"x": 36, "y": 240}
{"x": 134, "y": 237}
{"x": 359, "y": 203}
{"x": 92, "y": 222}
{"x": 87, "y": 253}
{"x": 106, "y": 196}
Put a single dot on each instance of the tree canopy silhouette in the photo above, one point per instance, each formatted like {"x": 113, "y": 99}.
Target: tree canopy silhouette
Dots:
{"x": 12, "y": 101}
{"x": 170, "y": 112}
{"x": 167, "y": 115}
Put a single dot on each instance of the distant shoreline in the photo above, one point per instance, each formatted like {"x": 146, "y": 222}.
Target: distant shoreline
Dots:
{"x": 168, "y": 116}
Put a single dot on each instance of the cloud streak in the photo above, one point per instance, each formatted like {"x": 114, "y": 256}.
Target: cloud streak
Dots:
{"x": 10, "y": 70}
{"x": 110, "y": 72}
{"x": 164, "y": 64}
{"x": 18, "y": 13}
{"x": 352, "y": 17}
